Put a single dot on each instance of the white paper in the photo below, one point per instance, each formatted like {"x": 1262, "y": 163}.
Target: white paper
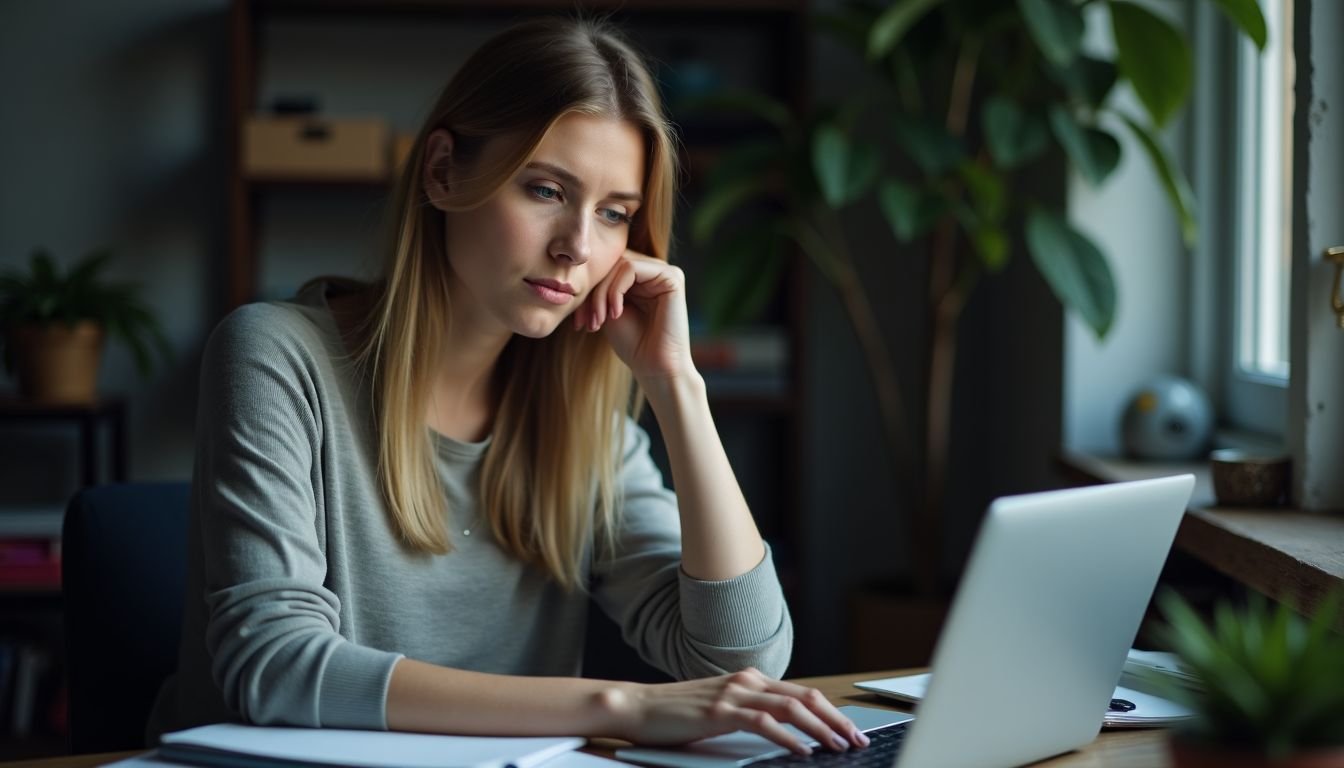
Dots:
{"x": 374, "y": 749}
{"x": 562, "y": 760}
{"x": 581, "y": 760}
{"x": 146, "y": 760}
{"x": 1140, "y": 662}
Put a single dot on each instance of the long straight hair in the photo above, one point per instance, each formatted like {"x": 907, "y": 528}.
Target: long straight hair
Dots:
{"x": 548, "y": 484}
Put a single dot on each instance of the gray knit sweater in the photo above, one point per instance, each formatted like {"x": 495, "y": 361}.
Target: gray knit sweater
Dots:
{"x": 301, "y": 597}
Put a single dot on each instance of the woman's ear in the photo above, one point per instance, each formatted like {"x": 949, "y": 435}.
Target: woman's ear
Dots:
{"x": 438, "y": 167}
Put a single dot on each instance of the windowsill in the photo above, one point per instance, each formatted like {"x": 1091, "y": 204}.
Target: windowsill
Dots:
{"x": 1289, "y": 555}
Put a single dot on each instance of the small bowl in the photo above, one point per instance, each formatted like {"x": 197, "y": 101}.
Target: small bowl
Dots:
{"x": 1245, "y": 479}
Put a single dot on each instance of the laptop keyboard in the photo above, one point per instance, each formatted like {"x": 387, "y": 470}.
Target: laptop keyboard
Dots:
{"x": 881, "y": 751}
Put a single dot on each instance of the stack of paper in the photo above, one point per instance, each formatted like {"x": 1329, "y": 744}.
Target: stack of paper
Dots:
{"x": 1149, "y": 710}
{"x": 245, "y": 746}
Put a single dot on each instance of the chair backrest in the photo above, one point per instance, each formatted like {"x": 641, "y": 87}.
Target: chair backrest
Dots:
{"x": 124, "y": 562}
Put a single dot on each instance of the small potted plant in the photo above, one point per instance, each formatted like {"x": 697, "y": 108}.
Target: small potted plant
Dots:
{"x": 1270, "y": 685}
{"x": 53, "y": 326}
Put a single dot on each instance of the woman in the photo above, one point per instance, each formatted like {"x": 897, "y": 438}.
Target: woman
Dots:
{"x": 352, "y": 568}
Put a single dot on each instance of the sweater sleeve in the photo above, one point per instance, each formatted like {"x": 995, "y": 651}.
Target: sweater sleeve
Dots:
{"x": 272, "y": 628}
{"x": 684, "y": 626}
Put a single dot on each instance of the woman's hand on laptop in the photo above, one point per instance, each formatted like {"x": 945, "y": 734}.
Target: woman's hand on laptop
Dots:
{"x": 677, "y": 713}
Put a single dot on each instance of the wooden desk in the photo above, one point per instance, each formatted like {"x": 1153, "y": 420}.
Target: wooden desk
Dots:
{"x": 1112, "y": 749}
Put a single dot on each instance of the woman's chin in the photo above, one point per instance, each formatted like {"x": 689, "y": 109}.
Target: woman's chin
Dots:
{"x": 537, "y": 327}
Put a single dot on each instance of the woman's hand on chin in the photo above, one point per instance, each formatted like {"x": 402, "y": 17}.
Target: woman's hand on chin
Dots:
{"x": 641, "y": 308}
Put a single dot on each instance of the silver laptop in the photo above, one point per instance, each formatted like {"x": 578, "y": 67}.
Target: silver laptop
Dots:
{"x": 1026, "y": 665}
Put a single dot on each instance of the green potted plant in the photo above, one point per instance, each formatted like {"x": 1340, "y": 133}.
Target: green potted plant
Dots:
{"x": 1269, "y": 685}
{"x": 53, "y": 326}
{"x": 971, "y": 99}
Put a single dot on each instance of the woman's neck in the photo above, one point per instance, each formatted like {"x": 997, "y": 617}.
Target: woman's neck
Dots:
{"x": 462, "y": 394}
{"x": 462, "y": 398}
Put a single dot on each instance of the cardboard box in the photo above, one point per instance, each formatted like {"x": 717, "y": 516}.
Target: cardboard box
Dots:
{"x": 402, "y": 144}
{"x": 315, "y": 148}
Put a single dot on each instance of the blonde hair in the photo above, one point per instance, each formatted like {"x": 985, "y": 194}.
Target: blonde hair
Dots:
{"x": 549, "y": 480}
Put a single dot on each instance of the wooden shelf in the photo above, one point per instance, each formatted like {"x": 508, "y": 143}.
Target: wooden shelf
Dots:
{"x": 1289, "y": 555}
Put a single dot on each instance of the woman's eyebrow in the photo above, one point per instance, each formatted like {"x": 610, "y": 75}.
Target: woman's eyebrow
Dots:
{"x": 571, "y": 180}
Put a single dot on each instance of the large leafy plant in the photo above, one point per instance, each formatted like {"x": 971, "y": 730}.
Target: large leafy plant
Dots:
{"x": 1268, "y": 682}
{"x": 43, "y": 295}
{"x": 970, "y": 97}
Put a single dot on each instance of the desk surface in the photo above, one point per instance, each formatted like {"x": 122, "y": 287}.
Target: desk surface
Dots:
{"x": 1112, "y": 749}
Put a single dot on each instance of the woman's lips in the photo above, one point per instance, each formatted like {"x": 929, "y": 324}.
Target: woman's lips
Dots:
{"x": 552, "y": 291}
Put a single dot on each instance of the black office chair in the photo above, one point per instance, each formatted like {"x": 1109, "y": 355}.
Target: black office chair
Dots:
{"x": 123, "y": 571}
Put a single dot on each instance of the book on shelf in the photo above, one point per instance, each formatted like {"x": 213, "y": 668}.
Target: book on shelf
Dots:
{"x": 757, "y": 349}
{"x": 30, "y": 561}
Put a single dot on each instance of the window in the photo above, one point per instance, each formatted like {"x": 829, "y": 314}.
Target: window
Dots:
{"x": 1258, "y": 375}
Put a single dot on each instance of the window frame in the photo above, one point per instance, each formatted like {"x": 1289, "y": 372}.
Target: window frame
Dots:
{"x": 1249, "y": 401}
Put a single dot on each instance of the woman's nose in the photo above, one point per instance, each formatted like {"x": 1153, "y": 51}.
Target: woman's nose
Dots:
{"x": 572, "y": 241}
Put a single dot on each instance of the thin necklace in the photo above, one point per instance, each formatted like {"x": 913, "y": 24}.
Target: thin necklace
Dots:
{"x": 466, "y": 531}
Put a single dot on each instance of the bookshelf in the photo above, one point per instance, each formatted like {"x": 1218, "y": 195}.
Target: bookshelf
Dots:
{"x": 358, "y": 58}
{"x": 32, "y": 663}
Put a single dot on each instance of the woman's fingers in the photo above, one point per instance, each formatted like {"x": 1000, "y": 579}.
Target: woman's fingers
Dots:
{"x": 817, "y": 703}
{"x": 622, "y": 280}
{"x": 606, "y": 301}
{"x": 764, "y": 724}
{"x": 788, "y": 709}
{"x": 805, "y": 708}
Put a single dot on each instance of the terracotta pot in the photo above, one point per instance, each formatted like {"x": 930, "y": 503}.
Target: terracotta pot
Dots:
{"x": 1187, "y": 755}
{"x": 59, "y": 364}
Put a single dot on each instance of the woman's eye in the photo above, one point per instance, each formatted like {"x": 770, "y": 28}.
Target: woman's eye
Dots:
{"x": 613, "y": 216}
{"x": 544, "y": 192}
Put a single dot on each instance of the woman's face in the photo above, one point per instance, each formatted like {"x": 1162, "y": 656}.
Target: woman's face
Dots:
{"x": 528, "y": 257}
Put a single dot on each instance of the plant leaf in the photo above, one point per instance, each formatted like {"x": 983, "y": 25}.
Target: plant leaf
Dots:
{"x": 1154, "y": 57}
{"x": 1094, "y": 152}
{"x": 1088, "y": 80}
{"x": 719, "y": 202}
{"x": 1074, "y": 268}
{"x": 1056, "y": 26}
{"x": 987, "y": 190}
{"x": 43, "y": 270}
{"x": 928, "y": 144}
{"x": 1173, "y": 181}
{"x": 892, "y": 25}
{"x": 844, "y": 170}
{"x": 909, "y": 211}
{"x": 991, "y": 242}
{"x": 1247, "y": 15}
{"x": 1013, "y": 136}
{"x": 742, "y": 276}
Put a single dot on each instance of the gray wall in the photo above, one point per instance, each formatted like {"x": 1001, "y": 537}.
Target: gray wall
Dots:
{"x": 111, "y": 131}
{"x": 112, "y": 134}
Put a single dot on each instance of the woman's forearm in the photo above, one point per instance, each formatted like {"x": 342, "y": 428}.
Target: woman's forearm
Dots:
{"x": 432, "y": 699}
{"x": 719, "y": 537}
